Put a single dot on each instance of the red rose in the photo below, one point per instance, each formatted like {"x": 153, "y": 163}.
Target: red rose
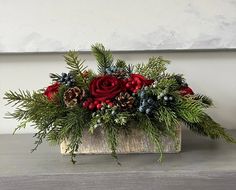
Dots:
{"x": 136, "y": 82}
{"x": 52, "y": 90}
{"x": 186, "y": 91}
{"x": 105, "y": 87}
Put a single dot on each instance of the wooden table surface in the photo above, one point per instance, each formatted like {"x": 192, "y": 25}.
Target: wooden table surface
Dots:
{"x": 202, "y": 164}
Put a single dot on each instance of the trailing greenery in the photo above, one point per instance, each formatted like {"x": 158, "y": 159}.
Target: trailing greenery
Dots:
{"x": 119, "y": 98}
{"x": 208, "y": 127}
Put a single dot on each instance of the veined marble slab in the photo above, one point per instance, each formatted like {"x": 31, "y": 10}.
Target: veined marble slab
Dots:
{"x": 57, "y": 26}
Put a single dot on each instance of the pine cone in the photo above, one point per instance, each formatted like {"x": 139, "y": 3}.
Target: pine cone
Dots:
{"x": 125, "y": 101}
{"x": 73, "y": 96}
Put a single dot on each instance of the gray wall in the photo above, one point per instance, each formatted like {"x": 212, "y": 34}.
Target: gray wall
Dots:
{"x": 211, "y": 73}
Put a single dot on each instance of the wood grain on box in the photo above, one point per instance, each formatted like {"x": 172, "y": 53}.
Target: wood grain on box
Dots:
{"x": 135, "y": 142}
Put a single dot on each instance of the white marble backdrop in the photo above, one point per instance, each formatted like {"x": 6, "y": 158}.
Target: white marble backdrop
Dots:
{"x": 55, "y": 26}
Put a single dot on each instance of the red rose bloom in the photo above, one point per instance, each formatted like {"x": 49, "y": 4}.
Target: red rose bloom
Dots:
{"x": 186, "y": 91}
{"x": 105, "y": 87}
{"x": 136, "y": 82}
{"x": 52, "y": 90}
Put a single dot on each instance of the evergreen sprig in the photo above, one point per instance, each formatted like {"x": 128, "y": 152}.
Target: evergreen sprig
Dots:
{"x": 155, "y": 67}
{"x": 75, "y": 64}
{"x": 56, "y": 122}
{"x": 208, "y": 127}
{"x": 149, "y": 126}
{"x": 104, "y": 57}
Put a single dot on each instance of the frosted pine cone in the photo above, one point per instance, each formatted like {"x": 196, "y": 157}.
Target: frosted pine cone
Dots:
{"x": 125, "y": 101}
{"x": 73, "y": 96}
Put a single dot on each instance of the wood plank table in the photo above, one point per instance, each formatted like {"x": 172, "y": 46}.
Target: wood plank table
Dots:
{"x": 202, "y": 164}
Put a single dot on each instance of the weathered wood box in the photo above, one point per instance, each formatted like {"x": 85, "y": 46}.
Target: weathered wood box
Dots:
{"x": 135, "y": 142}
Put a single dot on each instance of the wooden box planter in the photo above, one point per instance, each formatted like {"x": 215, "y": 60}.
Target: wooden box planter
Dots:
{"x": 135, "y": 142}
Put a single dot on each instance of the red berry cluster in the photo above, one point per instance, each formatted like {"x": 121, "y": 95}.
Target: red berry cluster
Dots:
{"x": 133, "y": 84}
{"x": 92, "y": 104}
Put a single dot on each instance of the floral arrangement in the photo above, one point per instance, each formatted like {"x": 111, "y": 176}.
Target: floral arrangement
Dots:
{"x": 111, "y": 99}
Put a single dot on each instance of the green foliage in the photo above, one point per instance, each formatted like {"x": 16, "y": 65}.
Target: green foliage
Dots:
{"x": 205, "y": 100}
{"x": 121, "y": 64}
{"x": 155, "y": 67}
{"x": 75, "y": 64}
{"x": 149, "y": 126}
{"x": 55, "y": 122}
{"x": 103, "y": 56}
{"x": 189, "y": 110}
{"x": 168, "y": 118}
{"x": 166, "y": 84}
{"x": 112, "y": 134}
{"x": 34, "y": 108}
{"x": 208, "y": 127}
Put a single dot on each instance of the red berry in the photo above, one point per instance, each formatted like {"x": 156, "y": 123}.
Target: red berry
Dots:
{"x": 135, "y": 91}
{"x": 85, "y": 104}
{"x": 138, "y": 87}
{"x": 99, "y": 106}
{"x": 89, "y": 100}
{"x": 91, "y": 106}
{"x": 128, "y": 85}
{"x": 96, "y": 102}
{"x": 107, "y": 101}
{"x": 133, "y": 82}
{"x": 139, "y": 82}
{"x": 130, "y": 79}
{"x": 110, "y": 104}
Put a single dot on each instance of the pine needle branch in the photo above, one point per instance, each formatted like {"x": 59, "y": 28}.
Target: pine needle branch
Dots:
{"x": 205, "y": 100}
{"x": 112, "y": 134}
{"x": 75, "y": 64}
{"x": 153, "y": 132}
{"x": 103, "y": 56}
{"x": 208, "y": 127}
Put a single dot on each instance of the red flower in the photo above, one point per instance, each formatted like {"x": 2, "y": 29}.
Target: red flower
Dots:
{"x": 52, "y": 90}
{"x": 105, "y": 87}
{"x": 186, "y": 91}
{"x": 136, "y": 82}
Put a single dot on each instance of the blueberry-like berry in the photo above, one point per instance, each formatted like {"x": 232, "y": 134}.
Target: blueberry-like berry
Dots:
{"x": 148, "y": 111}
{"x": 67, "y": 79}
{"x": 142, "y": 94}
{"x": 171, "y": 98}
{"x": 150, "y": 101}
{"x": 144, "y": 102}
{"x": 63, "y": 75}
{"x": 166, "y": 98}
{"x": 141, "y": 109}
